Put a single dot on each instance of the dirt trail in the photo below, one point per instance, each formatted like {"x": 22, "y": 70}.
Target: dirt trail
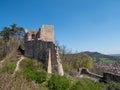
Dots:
{"x": 18, "y": 65}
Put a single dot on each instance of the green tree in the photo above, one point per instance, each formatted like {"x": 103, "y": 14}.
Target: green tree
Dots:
{"x": 17, "y": 32}
{"x": 84, "y": 61}
{"x": 5, "y": 34}
{"x": 12, "y": 32}
{"x": 11, "y": 38}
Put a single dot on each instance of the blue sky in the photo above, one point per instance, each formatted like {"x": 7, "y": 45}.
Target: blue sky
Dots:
{"x": 82, "y": 25}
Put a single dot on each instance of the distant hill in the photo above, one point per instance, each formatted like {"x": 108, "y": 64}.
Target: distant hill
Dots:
{"x": 97, "y": 57}
{"x": 114, "y": 55}
{"x": 109, "y": 59}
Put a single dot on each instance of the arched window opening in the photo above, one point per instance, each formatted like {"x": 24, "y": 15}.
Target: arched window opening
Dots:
{"x": 33, "y": 36}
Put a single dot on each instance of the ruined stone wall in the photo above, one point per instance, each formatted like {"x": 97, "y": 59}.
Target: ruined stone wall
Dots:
{"x": 108, "y": 77}
{"x": 40, "y": 50}
{"x": 87, "y": 72}
{"x": 47, "y": 33}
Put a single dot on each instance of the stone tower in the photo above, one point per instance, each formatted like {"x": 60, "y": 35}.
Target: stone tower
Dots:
{"x": 40, "y": 45}
{"x": 47, "y": 33}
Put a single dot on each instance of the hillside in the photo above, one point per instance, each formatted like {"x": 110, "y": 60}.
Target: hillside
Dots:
{"x": 32, "y": 76}
{"x": 101, "y": 63}
{"x": 114, "y": 55}
{"x": 98, "y": 57}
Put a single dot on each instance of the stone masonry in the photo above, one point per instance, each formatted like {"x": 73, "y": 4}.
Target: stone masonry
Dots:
{"x": 40, "y": 45}
{"x": 107, "y": 77}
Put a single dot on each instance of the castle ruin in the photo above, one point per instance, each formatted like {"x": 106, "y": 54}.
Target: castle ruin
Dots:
{"x": 39, "y": 44}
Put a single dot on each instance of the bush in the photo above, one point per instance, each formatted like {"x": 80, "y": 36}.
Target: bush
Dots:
{"x": 84, "y": 61}
{"x": 34, "y": 75}
{"x": 86, "y": 84}
{"x": 57, "y": 82}
{"x": 31, "y": 64}
{"x": 1, "y": 57}
{"x": 27, "y": 64}
{"x": 8, "y": 67}
{"x": 68, "y": 69}
{"x": 43, "y": 86}
{"x": 32, "y": 70}
{"x": 113, "y": 87}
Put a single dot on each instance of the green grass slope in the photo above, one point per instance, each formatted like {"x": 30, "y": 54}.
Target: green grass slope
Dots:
{"x": 32, "y": 76}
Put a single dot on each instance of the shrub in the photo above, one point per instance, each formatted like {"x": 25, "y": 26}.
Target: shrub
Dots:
{"x": 27, "y": 64}
{"x": 33, "y": 75}
{"x": 43, "y": 86}
{"x": 1, "y": 57}
{"x": 43, "y": 76}
{"x": 57, "y": 82}
{"x": 86, "y": 84}
{"x": 32, "y": 70}
{"x": 31, "y": 64}
{"x": 113, "y": 87}
{"x": 68, "y": 69}
{"x": 8, "y": 67}
{"x": 84, "y": 61}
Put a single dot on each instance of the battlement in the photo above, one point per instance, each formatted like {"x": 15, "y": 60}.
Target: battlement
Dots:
{"x": 45, "y": 33}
